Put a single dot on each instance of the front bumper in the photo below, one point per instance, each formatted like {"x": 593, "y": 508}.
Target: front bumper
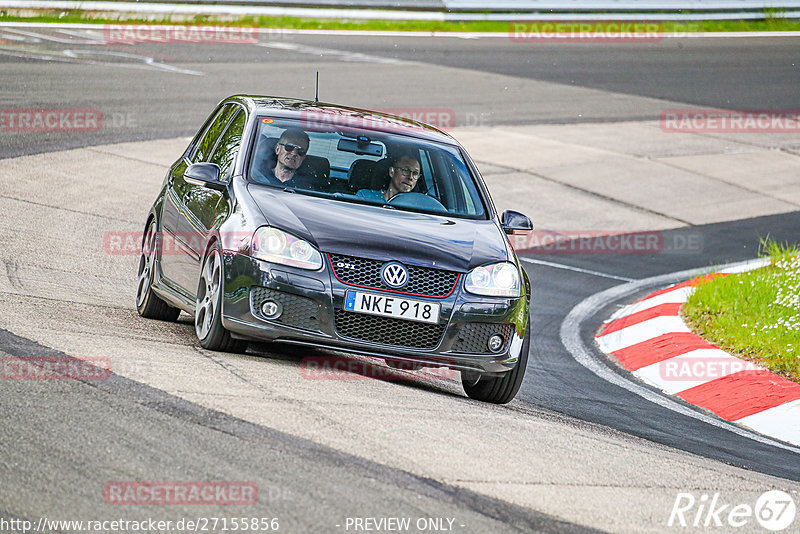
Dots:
{"x": 313, "y": 315}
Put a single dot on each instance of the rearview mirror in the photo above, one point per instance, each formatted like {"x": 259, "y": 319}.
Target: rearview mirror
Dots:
{"x": 512, "y": 221}
{"x": 205, "y": 175}
{"x": 362, "y": 146}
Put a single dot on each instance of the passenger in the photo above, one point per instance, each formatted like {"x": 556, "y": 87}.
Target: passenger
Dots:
{"x": 403, "y": 175}
{"x": 290, "y": 152}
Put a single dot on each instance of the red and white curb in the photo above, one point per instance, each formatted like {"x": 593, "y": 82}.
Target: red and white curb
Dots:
{"x": 649, "y": 339}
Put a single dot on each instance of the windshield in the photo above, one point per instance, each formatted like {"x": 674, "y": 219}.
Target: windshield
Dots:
{"x": 359, "y": 165}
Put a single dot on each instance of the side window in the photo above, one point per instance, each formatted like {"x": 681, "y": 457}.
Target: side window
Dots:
{"x": 203, "y": 149}
{"x": 228, "y": 146}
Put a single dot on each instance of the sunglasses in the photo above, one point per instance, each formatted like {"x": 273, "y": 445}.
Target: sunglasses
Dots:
{"x": 289, "y": 147}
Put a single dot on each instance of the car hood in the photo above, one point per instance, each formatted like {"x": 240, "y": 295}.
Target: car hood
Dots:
{"x": 348, "y": 228}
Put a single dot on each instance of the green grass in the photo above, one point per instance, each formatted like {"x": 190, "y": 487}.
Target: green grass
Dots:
{"x": 772, "y": 22}
{"x": 754, "y": 315}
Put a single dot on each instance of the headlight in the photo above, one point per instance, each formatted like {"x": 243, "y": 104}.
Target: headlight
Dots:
{"x": 271, "y": 244}
{"x": 497, "y": 280}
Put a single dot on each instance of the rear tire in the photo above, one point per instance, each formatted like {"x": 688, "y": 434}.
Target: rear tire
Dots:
{"x": 500, "y": 389}
{"x": 148, "y": 304}
{"x": 208, "y": 309}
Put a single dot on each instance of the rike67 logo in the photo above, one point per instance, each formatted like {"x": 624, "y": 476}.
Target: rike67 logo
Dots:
{"x": 774, "y": 510}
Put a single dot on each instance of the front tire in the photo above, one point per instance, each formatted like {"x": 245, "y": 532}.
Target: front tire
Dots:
{"x": 208, "y": 309}
{"x": 148, "y": 304}
{"x": 499, "y": 389}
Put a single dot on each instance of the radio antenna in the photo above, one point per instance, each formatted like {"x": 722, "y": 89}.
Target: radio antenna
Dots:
{"x": 316, "y": 90}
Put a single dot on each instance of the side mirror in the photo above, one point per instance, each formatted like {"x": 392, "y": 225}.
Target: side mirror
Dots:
{"x": 205, "y": 175}
{"x": 512, "y": 220}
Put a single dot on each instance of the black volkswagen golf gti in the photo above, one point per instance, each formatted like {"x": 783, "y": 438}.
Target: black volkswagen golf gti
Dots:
{"x": 320, "y": 225}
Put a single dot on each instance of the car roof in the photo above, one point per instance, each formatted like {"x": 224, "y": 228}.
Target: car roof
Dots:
{"x": 294, "y": 108}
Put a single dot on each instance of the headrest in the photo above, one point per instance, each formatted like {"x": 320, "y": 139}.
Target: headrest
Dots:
{"x": 360, "y": 175}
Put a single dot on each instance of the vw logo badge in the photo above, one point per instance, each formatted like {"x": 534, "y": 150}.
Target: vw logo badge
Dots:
{"x": 394, "y": 275}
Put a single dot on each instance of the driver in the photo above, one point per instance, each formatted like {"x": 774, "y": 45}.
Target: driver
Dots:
{"x": 290, "y": 152}
{"x": 403, "y": 175}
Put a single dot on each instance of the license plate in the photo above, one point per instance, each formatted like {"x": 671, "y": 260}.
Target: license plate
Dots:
{"x": 390, "y": 306}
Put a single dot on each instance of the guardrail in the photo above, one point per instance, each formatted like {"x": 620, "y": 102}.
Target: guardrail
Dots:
{"x": 618, "y": 5}
{"x": 446, "y": 10}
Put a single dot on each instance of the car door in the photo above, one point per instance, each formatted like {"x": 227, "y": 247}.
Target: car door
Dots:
{"x": 180, "y": 258}
{"x": 207, "y": 207}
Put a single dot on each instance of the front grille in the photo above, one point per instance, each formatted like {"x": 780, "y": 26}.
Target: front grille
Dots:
{"x": 299, "y": 312}
{"x": 473, "y": 338}
{"x": 364, "y": 272}
{"x": 388, "y": 331}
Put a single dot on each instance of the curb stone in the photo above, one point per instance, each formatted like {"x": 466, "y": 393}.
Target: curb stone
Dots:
{"x": 649, "y": 339}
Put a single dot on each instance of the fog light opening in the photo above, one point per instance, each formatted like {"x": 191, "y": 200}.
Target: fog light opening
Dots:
{"x": 496, "y": 343}
{"x": 271, "y": 309}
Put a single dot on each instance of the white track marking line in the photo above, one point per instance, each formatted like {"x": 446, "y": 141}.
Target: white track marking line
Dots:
{"x": 52, "y": 38}
{"x": 47, "y": 57}
{"x": 343, "y": 55}
{"x": 16, "y": 37}
{"x": 577, "y": 269}
{"x": 571, "y": 338}
{"x": 89, "y": 36}
{"x": 146, "y": 61}
{"x": 71, "y": 56}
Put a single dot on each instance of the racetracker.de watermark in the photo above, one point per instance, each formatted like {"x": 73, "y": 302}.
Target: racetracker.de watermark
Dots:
{"x": 155, "y": 33}
{"x": 441, "y": 118}
{"x": 697, "y": 367}
{"x": 341, "y": 368}
{"x": 54, "y": 368}
{"x": 74, "y": 120}
{"x": 33, "y": 120}
{"x": 730, "y": 121}
{"x": 127, "y": 243}
{"x": 607, "y": 242}
{"x": 149, "y": 524}
{"x": 180, "y": 493}
{"x": 593, "y": 32}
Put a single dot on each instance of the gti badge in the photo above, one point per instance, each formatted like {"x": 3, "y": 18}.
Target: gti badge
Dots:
{"x": 394, "y": 275}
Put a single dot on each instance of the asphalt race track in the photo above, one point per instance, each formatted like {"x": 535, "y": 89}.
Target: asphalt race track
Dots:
{"x": 570, "y": 454}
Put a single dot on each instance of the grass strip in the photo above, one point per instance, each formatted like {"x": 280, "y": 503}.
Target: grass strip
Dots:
{"x": 771, "y": 22}
{"x": 754, "y": 315}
